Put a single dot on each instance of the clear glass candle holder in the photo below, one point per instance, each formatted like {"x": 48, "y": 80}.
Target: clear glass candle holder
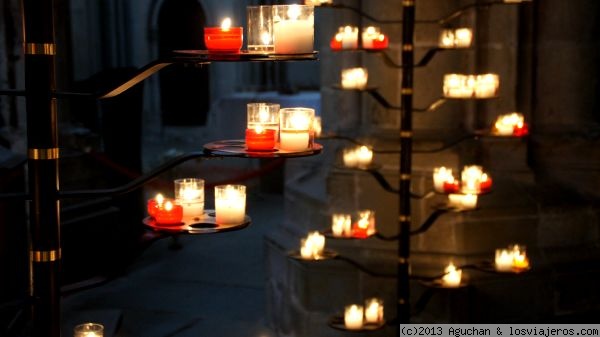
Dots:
{"x": 293, "y": 29}
{"x": 262, "y": 126}
{"x": 456, "y": 38}
{"x": 296, "y": 129}
{"x": 374, "y": 311}
{"x": 260, "y": 29}
{"x": 355, "y": 78}
{"x": 88, "y": 330}
{"x": 230, "y": 204}
{"x": 189, "y": 193}
{"x": 354, "y": 317}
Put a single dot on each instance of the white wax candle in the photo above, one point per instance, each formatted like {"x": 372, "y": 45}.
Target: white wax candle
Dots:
{"x": 354, "y": 78}
{"x": 293, "y": 36}
{"x": 230, "y": 204}
{"x": 368, "y": 36}
{"x": 505, "y": 124}
{"x": 294, "y": 140}
{"x": 341, "y": 225}
{"x": 452, "y": 277}
{"x": 349, "y": 37}
{"x": 486, "y": 85}
{"x": 364, "y": 156}
{"x": 373, "y": 311}
{"x": 312, "y": 246}
{"x": 504, "y": 260}
{"x": 353, "y": 317}
{"x": 471, "y": 177}
{"x": 440, "y": 176}
{"x": 463, "y": 201}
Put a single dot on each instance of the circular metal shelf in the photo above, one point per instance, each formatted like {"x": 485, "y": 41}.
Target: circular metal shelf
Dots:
{"x": 470, "y": 98}
{"x": 367, "y": 88}
{"x": 337, "y": 322}
{"x": 328, "y": 234}
{"x": 438, "y": 284}
{"x": 489, "y": 267}
{"x": 237, "y": 148}
{"x": 207, "y": 224}
{"x": 242, "y": 56}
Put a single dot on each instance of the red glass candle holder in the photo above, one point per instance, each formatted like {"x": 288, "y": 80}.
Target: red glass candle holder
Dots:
{"x": 485, "y": 185}
{"x": 260, "y": 140}
{"x": 520, "y": 131}
{"x": 335, "y": 44}
{"x": 219, "y": 40}
{"x": 152, "y": 207}
{"x": 451, "y": 187}
{"x": 169, "y": 215}
{"x": 380, "y": 43}
{"x": 359, "y": 232}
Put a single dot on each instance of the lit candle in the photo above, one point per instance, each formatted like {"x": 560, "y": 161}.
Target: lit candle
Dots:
{"x": 189, "y": 193}
{"x": 230, "y": 204}
{"x": 364, "y": 156}
{"x": 458, "y": 86}
{"x": 471, "y": 179}
{"x": 511, "y": 124}
{"x": 317, "y": 126}
{"x": 369, "y": 35}
{"x": 224, "y": 39}
{"x": 520, "y": 260}
{"x": 441, "y": 176}
{"x": 336, "y": 41}
{"x": 263, "y": 124}
{"x": 154, "y": 204}
{"x": 381, "y": 42}
{"x": 349, "y": 36}
{"x": 487, "y": 85}
{"x": 354, "y": 78}
{"x": 341, "y": 225}
{"x": 295, "y": 132}
{"x": 462, "y": 201}
{"x": 365, "y": 225}
{"x": 485, "y": 183}
{"x": 353, "y": 317}
{"x": 260, "y": 29}
{"x": 456, "y": 38}
{"x": 374, "y": 311}
{"x": 504, "y": 260}
{"x": 293, "y": 29}
{"x": 169, "y": 214}
{"x": 452, "y": 277}
{"x": 89, "y": 330}
{"x": 311, "y": 247}
{"x": 350, "y": 157}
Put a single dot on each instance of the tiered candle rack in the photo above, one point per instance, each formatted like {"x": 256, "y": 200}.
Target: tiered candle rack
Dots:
{"x": 44, "y": 192}
{"x": 406, "y": 109}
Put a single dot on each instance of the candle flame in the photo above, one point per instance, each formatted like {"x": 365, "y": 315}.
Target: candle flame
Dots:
{"x": 168, "y": 206}
{"x": 159, "y": 199}
{"x": 259, "y": 129}
{"x": 370, "y": 30}
{"x": 226, "y": 24}
{"x": 265, "y": 37}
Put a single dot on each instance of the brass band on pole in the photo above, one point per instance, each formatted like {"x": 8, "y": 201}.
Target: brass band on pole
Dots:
{"x": 40, "y": 49}
{"x": 407, "y": 47}
{"x": 406, "y": 91}
{"x": 408, "y": 3}
{"x": 43, "y": 154}
{"x": 402, "y": 260}
{"x": 404, "y": 218}
{"x": 405, "y": 176}
{"x": 406, "y": 134}
{"x": 41, "y": 256}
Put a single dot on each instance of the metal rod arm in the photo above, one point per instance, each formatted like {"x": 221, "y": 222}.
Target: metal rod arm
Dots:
{"x": 429, "y": 221}
{"x": 382, "y": 182}
{"x": 136, "y": 182}
{"x": 381, "y": 100}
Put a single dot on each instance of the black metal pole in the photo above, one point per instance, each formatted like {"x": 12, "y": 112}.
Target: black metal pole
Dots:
{"x": 406, "y": 134}
{"x": 42, "y": 142}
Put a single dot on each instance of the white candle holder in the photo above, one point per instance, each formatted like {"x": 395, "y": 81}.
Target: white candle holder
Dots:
{"x": 487, "y": 85}
{"x": 471, "y": 177}
{"x": 348, "y": 37}
{"x": 341, "y": 225}
{"x": 452, "y": 277}
{"x": 189, "y": 193}
{"x": 88, "y": 330}
{"x": 354, "y": 78}
{"x": 296, "y": 129}
{"x": 317, "y": 2}
{"x": 312, "y": 247}
{"x": 509, "y": 124}
{"x": 459, "y": 86}
{"x": 293, "y": 29}
{"x": 373, "y": 311}
{"x": 364, "y": 226}
{"x": 442, "y": 175}
{"x": 230, "y": 204}
{"x": 353, "y": 317}
{"x": 260, "y": 29}
{"x": 462, "y": 201}
{"x": 369, "y": 35}
{"x": 456, "y": 38}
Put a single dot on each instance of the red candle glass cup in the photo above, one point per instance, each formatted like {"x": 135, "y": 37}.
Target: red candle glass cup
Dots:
{"x": 263, "y": 124}
{"x": 154, "y": 204}
{"x": 169, "y": 214}
{"x": 224, "y": 39}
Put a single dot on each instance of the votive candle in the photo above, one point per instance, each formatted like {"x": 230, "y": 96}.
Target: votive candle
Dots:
{"x": 169, "y": 214}
{"x": 341, "y": 225}
{"x": 456, "y": 38}
{"x": 263, "y": 124}
{"x": 373, "y": 311}
{"x": 230, "y": 204}
{"x": 189, "y": 193}
{"x": 312, "y": 247}
{"x": 353, "y": 317}
{"x": 155, "y": 203}
{"x": 293, "y": 29}
{"x": 452, "y": 277}
{"x": 224, "y": 39}
{"x": 260, "y": 29}
{"x": 89, "y": 330}
{"x": 354, "y": 78}
{"x": 295, "y": 131}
